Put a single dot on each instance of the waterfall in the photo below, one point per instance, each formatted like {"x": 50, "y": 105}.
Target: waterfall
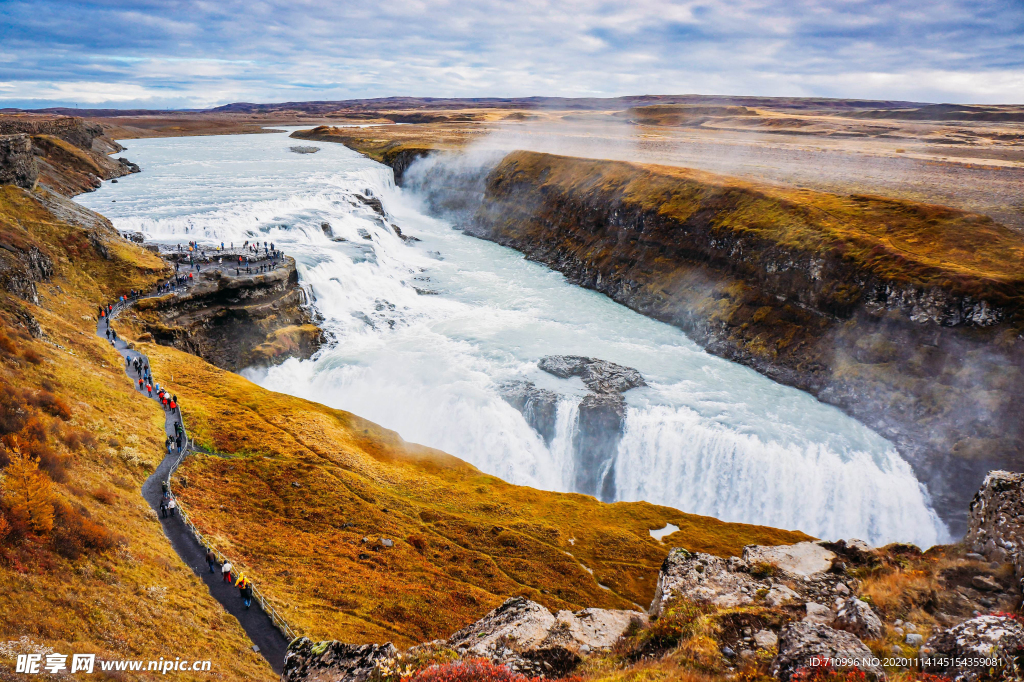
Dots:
{"x": 675, "y": 457}
{"x": 425, "y": 333}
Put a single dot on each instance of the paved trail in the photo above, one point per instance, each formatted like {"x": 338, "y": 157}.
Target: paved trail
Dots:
{"x": 256, "y": 623}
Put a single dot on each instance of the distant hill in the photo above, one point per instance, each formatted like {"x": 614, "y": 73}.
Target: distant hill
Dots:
{"x": 582, "y": 103}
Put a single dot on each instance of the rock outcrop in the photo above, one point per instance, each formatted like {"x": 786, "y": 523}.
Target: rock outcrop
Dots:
{"x": 805, "y": 645}
{"x": 967, "y": 650}
{"x": 527, "y": 638}
{"x": 68, "y": 154}
{"x": 333, "y": 661}
{"x": 539, "y": 406}
{"x": 798, "y": 576}
{"x": 17, "y": 164}
{"x": 996, "y": 520}
{"x": 236, "y": 321}
{"x": 599, "y": 420}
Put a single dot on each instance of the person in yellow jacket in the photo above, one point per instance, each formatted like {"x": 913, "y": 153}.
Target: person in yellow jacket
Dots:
{"x": 244, "y": 590}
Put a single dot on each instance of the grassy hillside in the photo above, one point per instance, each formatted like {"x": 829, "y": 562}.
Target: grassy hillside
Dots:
{"x": 103, "y": 579}
{"x": 296, "y": 487}
{"x": 899, "y": 241}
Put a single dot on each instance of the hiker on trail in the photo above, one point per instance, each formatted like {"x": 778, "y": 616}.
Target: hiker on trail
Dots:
{"x": 211, "y": 558}
{"x": 164, "y": 488}
{"x": 171, "y": 506}
{"x": 247, "y": 594}
{"x": 244, "y": 590}
{"x": 167, "y": 444}
{"x": 163, "y": 507}
{"x": 225, "y": 571}
{"x": 149, "y": 387}
{"x": 140, "y": 383}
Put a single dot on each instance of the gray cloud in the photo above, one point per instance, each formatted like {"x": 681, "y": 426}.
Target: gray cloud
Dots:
{"x": 197, "y": 53}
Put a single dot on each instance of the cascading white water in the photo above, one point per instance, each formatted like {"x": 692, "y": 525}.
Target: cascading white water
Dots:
{"x": 426, "y": 332}
{"x": 562, "y": 446}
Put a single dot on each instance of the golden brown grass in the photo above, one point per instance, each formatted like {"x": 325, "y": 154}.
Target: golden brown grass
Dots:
{"x": 136, "y": 600}
{"x": 900, "y": 241}
{"x": 301, "y": 486}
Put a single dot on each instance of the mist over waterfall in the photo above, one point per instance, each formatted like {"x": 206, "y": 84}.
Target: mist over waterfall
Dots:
{"x": 428, "y": 333}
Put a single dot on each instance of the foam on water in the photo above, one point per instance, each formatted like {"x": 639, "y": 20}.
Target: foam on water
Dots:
{"x": 425, "y": 332}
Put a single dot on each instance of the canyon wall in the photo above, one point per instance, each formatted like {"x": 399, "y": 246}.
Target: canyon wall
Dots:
{"x": 235, "y": 322}
{"x": 68, "y": 154}
{"x": 907, "y": 316}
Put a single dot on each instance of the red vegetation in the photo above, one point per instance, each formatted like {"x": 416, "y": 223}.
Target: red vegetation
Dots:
{"x": 473, "y": 670}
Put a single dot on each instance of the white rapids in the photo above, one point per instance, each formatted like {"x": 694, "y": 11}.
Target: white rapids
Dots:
{"x": 424, "y": 332}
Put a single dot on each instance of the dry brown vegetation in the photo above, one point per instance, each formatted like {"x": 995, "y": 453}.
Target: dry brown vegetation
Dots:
{"x": 98, "y": 576}
{"x": 899, "y": 241}
{"x": 301, "y": 495}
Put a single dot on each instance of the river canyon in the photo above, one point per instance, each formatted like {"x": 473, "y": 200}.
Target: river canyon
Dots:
{"x": 431, "y": 331}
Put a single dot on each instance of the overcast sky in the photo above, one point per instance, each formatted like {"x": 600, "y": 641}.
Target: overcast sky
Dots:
{"x": 201, "y": 53}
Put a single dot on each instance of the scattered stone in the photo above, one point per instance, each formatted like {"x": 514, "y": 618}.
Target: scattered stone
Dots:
{"x": 801, "y": 642}
{"x": 332, "y": 660}
{"x": 728, "y": 653}
{"x": 983, "y": 637}
{"x": 985, "y": 584}
{"x": 857, "y": 617}
{"x": 387, "y": 542}
{"x": 765, "y": 639}
{"x": 818, "y": 613}
{"x": 974, "y": 556}
{"x": 304, "y": 150}
{"x": 914, "y": 639}
{"x": 780, "y": 595}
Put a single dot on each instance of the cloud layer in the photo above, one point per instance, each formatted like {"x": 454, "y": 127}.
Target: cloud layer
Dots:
{"x": 200, "y": 53}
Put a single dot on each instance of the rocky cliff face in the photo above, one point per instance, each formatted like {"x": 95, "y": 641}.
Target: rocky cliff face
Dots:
{"x": 901, "y": 314}
{"x": 236, "y": 322}
{"x": 17, "y": 165}
{"x": 68, "y": 154}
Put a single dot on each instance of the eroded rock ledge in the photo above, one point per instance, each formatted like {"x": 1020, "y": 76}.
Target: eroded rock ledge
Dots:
{"x": 236, "y": 322}
{"x": 600, "y": 419}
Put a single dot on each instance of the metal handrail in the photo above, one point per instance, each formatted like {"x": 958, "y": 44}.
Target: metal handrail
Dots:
{"x": 275, "y": 617}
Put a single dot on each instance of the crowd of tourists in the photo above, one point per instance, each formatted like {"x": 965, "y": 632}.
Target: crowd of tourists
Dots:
{"x": 138, "y": 366}
{"x": 254, "y": 256}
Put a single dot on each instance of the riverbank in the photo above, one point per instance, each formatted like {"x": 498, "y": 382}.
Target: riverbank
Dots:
{"x": 902, "y": 314}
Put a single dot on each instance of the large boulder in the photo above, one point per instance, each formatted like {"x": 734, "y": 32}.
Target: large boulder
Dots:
{"x": 803, "y": 645}
{"x": 857, "y": 617}
{"x": 332, "y": 661}
{"x": 968, "y": 649}
{"x": 801, "y": 559}
{"x": 996, "y": 520}
{"x": 703, "y": 577}
{"x": 527, "y": 638}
